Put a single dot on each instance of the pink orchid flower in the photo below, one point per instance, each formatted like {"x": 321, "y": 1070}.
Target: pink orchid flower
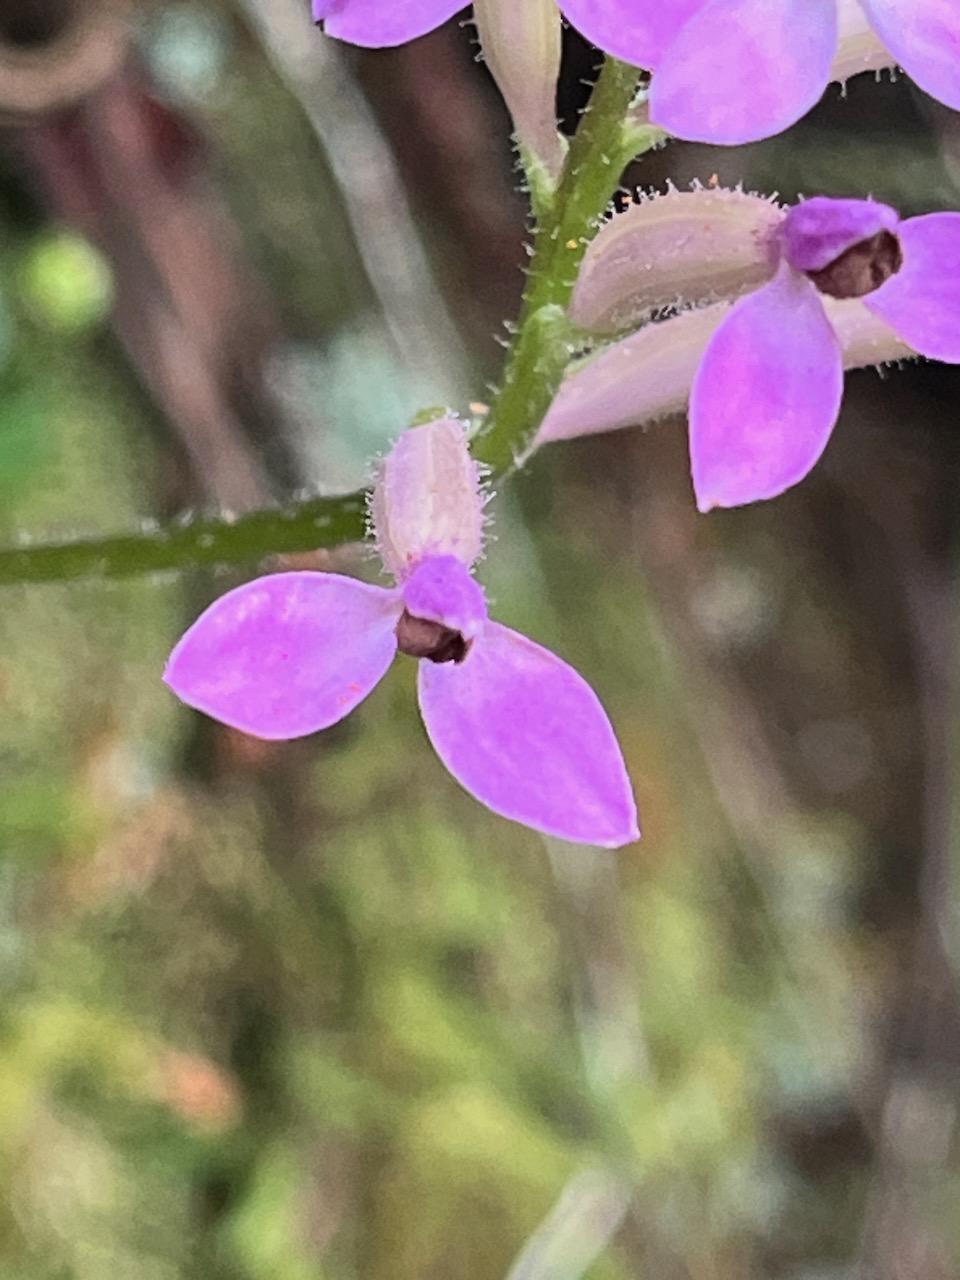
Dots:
{"x": 725, "y": 71}
{"x": 292, "y": 653}
{"x": 767, "y": 393}
{"x": 735, "y": 71}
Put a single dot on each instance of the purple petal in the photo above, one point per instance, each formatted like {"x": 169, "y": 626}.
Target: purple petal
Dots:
{"x": 527, "y": 736}
{"x": 636, "y": 32}
{"x": 924, "y": 37}
{"x": 442, "y": 590}
{"x": 287, "y": 654}
{"x": 741, "y": 70}
{"x": 378, "y": 23}
{"x": 766, "y": 396}
{"x": 921, "y": 302}
{"x": 816, "y": 232}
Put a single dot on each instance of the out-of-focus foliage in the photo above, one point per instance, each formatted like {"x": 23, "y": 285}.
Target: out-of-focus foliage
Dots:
{"x": 307, "y": 1012}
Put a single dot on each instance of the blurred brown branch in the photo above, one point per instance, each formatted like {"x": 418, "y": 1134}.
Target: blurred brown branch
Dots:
{"x": 128, "y": 171}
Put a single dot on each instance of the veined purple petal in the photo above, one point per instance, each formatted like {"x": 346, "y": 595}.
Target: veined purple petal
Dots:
{"x": 816, "y": 232}
{"x": 924, "y": 37}
{"x": 741, "y": 70}
{"x": 527, "y": 736}
{"x": 378, "y": 23}
{"x": 287, "y": 654}
{"x": 441, "y": 589}
{"x": 922, "y": 301}
{"x": 637, "y": 31}
{"x": 766, "y": 396}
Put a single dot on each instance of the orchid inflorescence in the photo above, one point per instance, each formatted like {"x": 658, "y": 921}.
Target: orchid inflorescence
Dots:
{"x": 748, "y": 310}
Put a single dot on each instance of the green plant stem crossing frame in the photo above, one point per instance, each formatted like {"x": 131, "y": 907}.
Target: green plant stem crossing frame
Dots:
{"x": 568, "y": 217}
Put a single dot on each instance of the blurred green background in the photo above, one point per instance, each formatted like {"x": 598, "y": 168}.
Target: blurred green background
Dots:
{"x": 306, "y": 1011}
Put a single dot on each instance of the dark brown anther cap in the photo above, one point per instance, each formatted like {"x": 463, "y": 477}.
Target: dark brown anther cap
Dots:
{"x": 862, "y": 269}
{"x": 421, "y": 638}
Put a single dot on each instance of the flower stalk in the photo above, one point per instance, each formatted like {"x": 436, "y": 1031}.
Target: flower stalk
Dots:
{"x": 600, "y": 151}
{"x": 207, "y": 541}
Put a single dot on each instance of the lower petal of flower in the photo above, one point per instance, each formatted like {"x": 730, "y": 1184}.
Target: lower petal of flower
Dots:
{"x": 924, "y": 37}
{"x": 287, "y": 654}
{"x": 527, "y": 736}
{"x": 766, "y": 396}
{"x": 922, "y": 301}
{"x": 379, "y": 23}
{"x": 741, "y": 70}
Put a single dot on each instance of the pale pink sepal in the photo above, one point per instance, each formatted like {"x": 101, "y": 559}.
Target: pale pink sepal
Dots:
{"x": 522, "y": 47}
{"x": 427, "y": 499}
{"x": 860, "y": 48}
{"x": 639, "y": 379}
{"x": 922, "y": 301}
{"x": 766, "y": 395}
{"x": 924, "y": 37}
{"x": 287, "y": 654}
{"x": 380, "y": 23}
{"x": 741, "y": 70}
{"x": 696, "y": 245}
{"x": 527, "y": 736}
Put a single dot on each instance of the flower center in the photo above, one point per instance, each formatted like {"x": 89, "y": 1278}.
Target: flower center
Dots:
{"x": 422, "y": 638}
{"x": 862, "y": 268}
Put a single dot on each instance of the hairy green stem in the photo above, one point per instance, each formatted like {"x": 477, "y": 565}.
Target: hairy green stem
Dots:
{"x": 604, "y": 144}
{"x": 541, "y": 349}
{"x": 306, "y": 526}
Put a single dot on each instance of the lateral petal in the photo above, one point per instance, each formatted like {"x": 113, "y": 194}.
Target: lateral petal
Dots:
{"x": 287, "y": 654}
{"x": 924, "y": 37}
{"x": 741, "y": 70}
{"x": 921, "y": 302}
{"x": 527, "y": 736}
{"x": 766, "y": 395}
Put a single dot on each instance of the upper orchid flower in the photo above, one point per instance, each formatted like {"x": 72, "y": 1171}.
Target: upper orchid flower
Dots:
{"x": 734, "y": 71}
{"x": 767, "y": 394}
{"x": 725, "y": 71}
{"x": 292, "y": 653}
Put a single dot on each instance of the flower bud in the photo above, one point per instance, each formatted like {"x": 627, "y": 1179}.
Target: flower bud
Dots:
{"x": 521, "y": 42}
{"x": 685, "y": 246}
{"x": 427, "y": 499}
